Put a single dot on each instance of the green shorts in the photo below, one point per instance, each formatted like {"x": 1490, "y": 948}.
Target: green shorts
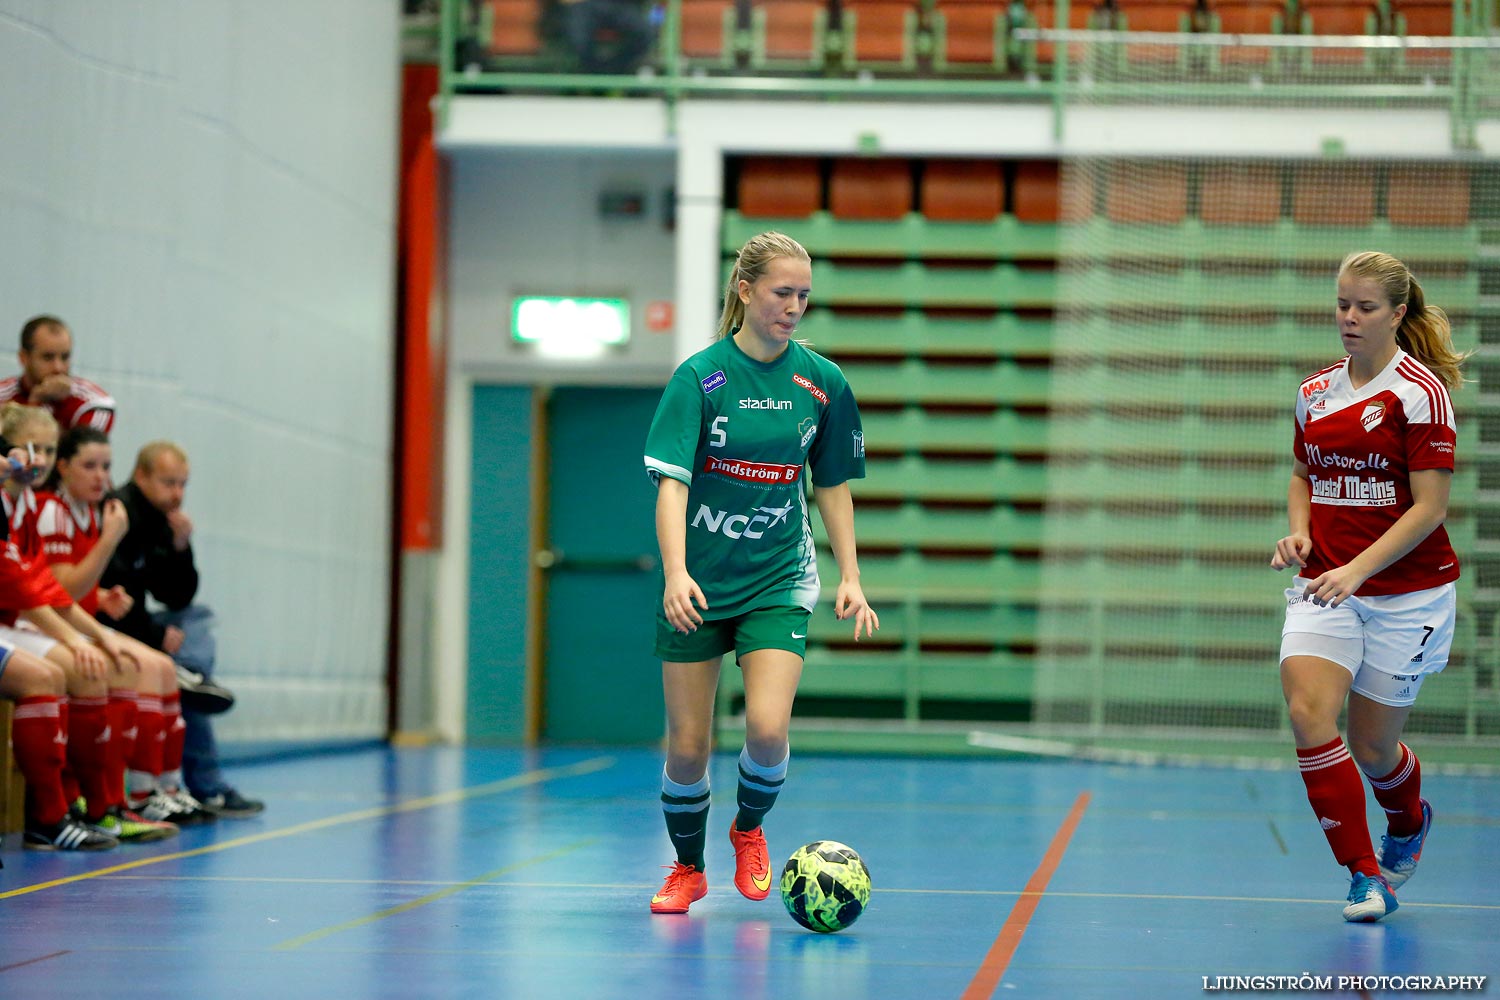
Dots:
{"x": 763, "y": 628}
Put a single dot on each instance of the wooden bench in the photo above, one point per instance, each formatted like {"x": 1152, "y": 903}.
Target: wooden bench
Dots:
{"x": 12, "y": 788}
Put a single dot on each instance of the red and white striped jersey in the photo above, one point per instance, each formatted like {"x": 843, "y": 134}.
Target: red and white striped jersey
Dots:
{"x": 22, "y": 513}
{"x": 1360, "y": 447}
{"x": 68, "y": 531}
{"x": 87, "y": 405}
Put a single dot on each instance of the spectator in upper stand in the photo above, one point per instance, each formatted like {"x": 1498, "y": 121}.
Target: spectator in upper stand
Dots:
{"x": 46, "y": 378}
{"x": 156, "y": 557}
{"x": 602, "y": 36}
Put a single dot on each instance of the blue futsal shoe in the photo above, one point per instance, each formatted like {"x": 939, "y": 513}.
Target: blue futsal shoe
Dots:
{"x": 1398, "y": 856}
{"x": 1370, "y": 898}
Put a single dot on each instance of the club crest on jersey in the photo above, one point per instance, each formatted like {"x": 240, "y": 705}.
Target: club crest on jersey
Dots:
{"x": 714, "y": 381}
{"x": 1372, "y": 416}
{"x": 818, "y": 394}
{"x": 807, "y": 428}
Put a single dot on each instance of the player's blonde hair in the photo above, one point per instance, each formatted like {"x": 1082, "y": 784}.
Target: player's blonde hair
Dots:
{"x": 749, "y": 265}
{"x": 16, "y": 417}
{"x": 145, "y": 459}
{"x": 1425, "y": 332}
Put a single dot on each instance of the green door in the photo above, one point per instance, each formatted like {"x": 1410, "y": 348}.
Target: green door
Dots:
{"x": 602, "y": 683}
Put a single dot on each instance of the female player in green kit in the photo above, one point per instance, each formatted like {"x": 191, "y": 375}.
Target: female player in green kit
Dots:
{"x": 736, "y": 425}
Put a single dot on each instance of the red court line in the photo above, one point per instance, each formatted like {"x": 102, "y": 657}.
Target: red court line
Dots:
{"x": 33, "y": 961}
{"x": 982, "y": 986}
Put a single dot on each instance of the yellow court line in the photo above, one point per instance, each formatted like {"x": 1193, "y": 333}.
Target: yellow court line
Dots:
{"x": 411, "y": 805}
{"x": 432, "y": 897}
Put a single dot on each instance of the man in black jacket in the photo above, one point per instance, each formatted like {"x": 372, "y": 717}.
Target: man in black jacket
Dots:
{"x": 156, "y": 557}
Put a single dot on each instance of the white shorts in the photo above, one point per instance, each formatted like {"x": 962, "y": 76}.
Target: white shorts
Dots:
{"x": 24, "y": 637}
{"x": 1389, "y": 644}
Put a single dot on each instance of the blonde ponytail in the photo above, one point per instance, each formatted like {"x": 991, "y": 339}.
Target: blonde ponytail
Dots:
{"x": 1425, "y": 332}
{"x": 749, "y": 264}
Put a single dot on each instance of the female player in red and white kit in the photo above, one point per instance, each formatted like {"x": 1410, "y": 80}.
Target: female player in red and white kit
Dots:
{"x": 1371, "y": 612}
{"x": 79, "y": 529}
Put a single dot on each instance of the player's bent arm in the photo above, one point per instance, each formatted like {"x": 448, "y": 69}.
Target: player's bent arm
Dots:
{"x": 836, "y": 507}
{"x": 90, "y": 660}
{"x": 1299, "y": 500}
{"x": 681, "y": 597}
{"x": 1293, "y": 548}
{"x": 671, "y": 524}
{"x": 83, "y": 576}
{"x": 1429, "y": 508}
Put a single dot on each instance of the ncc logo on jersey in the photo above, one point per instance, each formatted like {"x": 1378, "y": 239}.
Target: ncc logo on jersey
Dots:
{"x": 737, "y": 526}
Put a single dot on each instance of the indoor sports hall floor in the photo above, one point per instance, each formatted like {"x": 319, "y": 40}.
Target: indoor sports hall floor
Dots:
{"x": 508, "y": 874}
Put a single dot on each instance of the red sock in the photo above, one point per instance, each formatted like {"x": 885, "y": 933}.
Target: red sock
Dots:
{"x": 89, "y": 740}
{"x": 40, "y": 748}
{"x": 1338, "y": 799}
{"x": 71, "y": 791}
{"x": 1400, "y": 795}
{"x": 125, "y": 720}
{"x": 149, "y": 735}
{"x": 175, "y": 732}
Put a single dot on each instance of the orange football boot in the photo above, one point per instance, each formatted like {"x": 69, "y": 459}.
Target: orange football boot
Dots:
{"x": 752, "y": 863}
{"x": 685, "y": 885}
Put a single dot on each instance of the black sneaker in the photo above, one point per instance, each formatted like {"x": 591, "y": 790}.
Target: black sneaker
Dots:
{"x": 200, "y": 694}
{"x": 68, "y": 835}
{"x": 230, "y": 804}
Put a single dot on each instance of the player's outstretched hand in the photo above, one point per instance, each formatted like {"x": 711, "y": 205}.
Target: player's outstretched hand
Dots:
{"x": 850, "y": 602}
{"x": 1334, "y": 586}
{"x": 678, "y": 599}
{"x": 1292, "y": 550}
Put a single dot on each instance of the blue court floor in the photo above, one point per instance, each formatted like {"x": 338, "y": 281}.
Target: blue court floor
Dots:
{"x": 513, "y": 874}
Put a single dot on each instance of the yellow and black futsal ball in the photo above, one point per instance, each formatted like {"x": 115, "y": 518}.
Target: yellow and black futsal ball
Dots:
{"x": 825, "y": 886}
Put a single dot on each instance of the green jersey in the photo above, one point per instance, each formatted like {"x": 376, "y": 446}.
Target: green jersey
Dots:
{"x": 739, "y": 433}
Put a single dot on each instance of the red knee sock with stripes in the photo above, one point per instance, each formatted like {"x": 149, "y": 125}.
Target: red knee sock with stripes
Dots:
{"x": 124, "y": 719}
{"x": 174, "y": 733}
{"x": 1400, "y": 795}
{"x": 41, "y": 746}
{"x": 1337, "y": 796}
{"x": 145, "y": 762}
{"x": 71, "y": 791}
{"x": 89, "y": 738}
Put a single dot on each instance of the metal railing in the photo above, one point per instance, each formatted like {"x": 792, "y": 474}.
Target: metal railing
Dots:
{"x": 1466, "y": 83}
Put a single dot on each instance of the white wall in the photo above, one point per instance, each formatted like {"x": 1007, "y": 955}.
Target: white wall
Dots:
{"x": 204, "y": 190}
{"x": 527, "y": 222}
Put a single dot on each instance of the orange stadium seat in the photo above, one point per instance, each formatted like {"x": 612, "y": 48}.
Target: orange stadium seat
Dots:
{"x": 1339, "y": 17}
{"x": 970, "y": 33}
{"x": 1434, "y": 196}
{"x": 1154, "y": 15}
{"x": 515, "y": 27}
{"x": 707, "y": 30}
{"x": 1424, "y": 17}
{"x": 870, "y": 189}
{"x": 1237, "y": 194}
{"x": 962, "y": 190}
{"x": 1044, "y": 15}
{"x": 881, "y": 31}
{"x": 1333, "y": 194}
{"x": 788, "y": 31}
{"x": 1040, "y": 194}
{"x": 1247, "y": 17}
{"x": 1151, "y": 193}
{"x": 780, "y": 187}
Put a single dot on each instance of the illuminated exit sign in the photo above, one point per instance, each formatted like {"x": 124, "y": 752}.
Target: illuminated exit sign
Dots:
{"x": 570, "y": 327}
